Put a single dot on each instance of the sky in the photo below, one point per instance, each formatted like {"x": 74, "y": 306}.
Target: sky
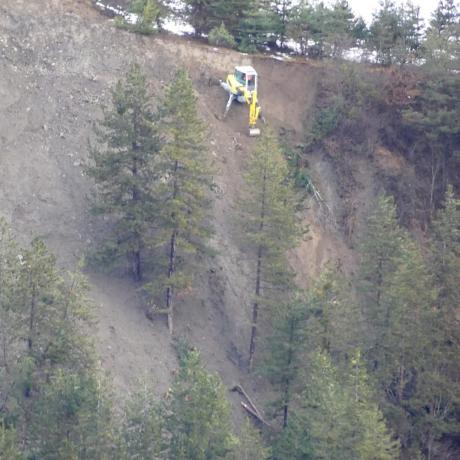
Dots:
{"x": 365, "y": 8}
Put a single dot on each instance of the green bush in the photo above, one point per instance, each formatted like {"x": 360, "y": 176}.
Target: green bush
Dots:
{"x": 220, "y": 36}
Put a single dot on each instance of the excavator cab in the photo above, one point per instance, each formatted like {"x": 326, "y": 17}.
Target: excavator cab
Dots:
{"x": 242, "y": 86}
{"x": 246, "y": 76}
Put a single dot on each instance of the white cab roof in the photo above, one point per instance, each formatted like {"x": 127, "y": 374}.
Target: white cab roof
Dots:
{"x": 246, "y": 69}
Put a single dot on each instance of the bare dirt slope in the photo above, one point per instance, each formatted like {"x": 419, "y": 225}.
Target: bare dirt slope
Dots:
{"x": 58, "y": 60}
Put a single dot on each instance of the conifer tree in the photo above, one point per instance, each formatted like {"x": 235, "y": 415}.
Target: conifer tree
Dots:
{"x": 183, "y": 193}
{"x": 283, "y": 10}
{"x": 320, "y": 422}
{"x": 250, "y": 445}
{"x": 270, "y": 226}
{"x": 72, "y": 418}
{"x": 127, "y": 142}
{"x": 141, "y": 428}
{"x": 446, "y": 252}
{"x": 285, "y": 353}
{"x": 197, "y": 414}
{"x": 437, "y": 399}
{"x": 384, "y": 31}
{"x": 375, "y": 440}
{"x": 11, "y": 332}
{"x": 148, "y": 16}
{"x": 335, "y": 324}
{"x": 379, "y": 252}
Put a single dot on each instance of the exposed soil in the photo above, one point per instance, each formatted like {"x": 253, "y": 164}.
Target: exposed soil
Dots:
{"x": 58, "y": 60}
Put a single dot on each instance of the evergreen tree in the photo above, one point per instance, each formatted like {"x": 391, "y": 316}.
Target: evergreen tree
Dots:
{"x": 197, "y": 414}
{"x": 182, "y": 194}
{"x": 199, "y": 14}
{"x": 122, "y": 169}
{"x": 379, "y": 252}
{"x": 444, "y": 16}
{"x": 148, "y": 15}
{"x": 303, "y": 27}
{"x": 283, "y": 10}
{"x": 437, "y": 400}
{"x": 384, "y": 32}
{"x": 270, "y": 225}
{"x": 250, "y": 445}
{"x": 72, "y": 418}
{"x": 10, "y": 315}
{"x": 320, "y": 423}
{"x": 335, "y": 324}
{"x": 442, "y": 44}
{"x": 434, "y": 117}
{"x": 446, "y": 252}
{"x": 141, "y": 430}
{"x": 285, "y": 350}
{"x": 257, "y": 27}
{"x": 49, "y": 388}
{"x": 375, "y": 440}
{"x": 339, "y": 26}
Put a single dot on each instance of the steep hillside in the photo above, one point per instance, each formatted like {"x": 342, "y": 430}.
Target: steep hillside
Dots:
{"x": 59, "y": 60}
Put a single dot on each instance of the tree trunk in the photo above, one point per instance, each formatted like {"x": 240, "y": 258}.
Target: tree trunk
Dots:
{"x": 172, "y": 262}
{"x": 31, "y": 321}
{"x": 287, "y": 382}
{"x": 137, "y": 265}
{"x": 169, "y": 289}
{"x": 255, "y": 310}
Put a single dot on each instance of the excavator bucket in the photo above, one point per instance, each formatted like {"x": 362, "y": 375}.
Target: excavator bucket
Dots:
{"x": 254, "y": 132}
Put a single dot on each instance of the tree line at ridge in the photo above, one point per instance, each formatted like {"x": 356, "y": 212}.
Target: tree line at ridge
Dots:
{"x": 396, "y": 34}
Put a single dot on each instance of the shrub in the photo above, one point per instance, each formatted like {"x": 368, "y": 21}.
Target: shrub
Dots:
{"x": 220, "y": 36}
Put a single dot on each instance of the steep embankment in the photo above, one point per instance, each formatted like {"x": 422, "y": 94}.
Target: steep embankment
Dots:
{"x": 59, "y": 59}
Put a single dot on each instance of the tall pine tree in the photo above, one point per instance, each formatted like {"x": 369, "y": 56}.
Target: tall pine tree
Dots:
{"x": 270, "y": 226}
{"x": 122, "y": 167}
{"x": 182, "y": 194}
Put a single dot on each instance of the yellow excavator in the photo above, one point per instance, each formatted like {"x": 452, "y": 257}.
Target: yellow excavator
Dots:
{"x": 242, "y": 86}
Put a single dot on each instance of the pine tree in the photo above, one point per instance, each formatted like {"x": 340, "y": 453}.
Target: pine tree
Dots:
{"x": 283, "y": 10}
{"x": 148, "y": 16}
{"x": 375, "y": 440}
{"x": 257, "y": 26}
{"x": 437, "y": 398}
{"x": 72, "y": 418}
{"x": 446, "y": 252}
{"x": 11, "y": 332}
{"x": 339, "y": 26}
{"x": 320, "y": 423}
{"x": 379, "y": 252}
{"x": 198, "y": 414}
{"x": 270, "y": 225}
{"x": 182, "y": 194}
{"x": 285, "y": 349}
{"x": 142, "y": 425}
{"x": 434, "y": 117}
{"x": 444, "y": 16}
{"x": 127, "y": 142}
{"x": 384, "y": 32}
{"x": 301, "y": 28}
{"x": 335, "y": 324}
{"x": 199, "y": 14}
{"x": 250, "y": 445}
